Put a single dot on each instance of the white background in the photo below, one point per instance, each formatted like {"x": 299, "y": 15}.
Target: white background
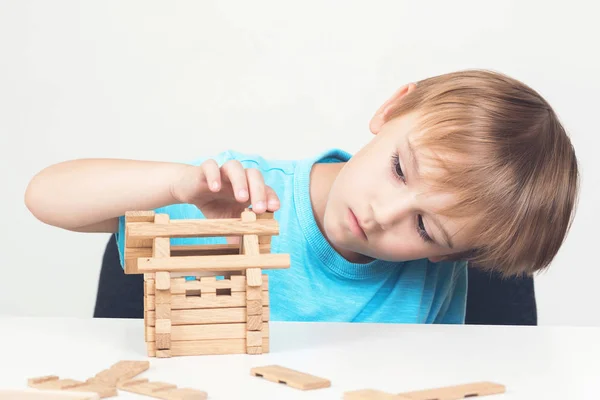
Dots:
{"x": 174, "y": 80}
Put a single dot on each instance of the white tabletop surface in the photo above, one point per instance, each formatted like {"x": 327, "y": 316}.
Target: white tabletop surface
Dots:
{"x": 533, "y": 362}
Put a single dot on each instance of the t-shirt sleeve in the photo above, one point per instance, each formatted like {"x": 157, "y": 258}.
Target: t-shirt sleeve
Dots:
{"x": 176, "y": 211}
{"x": 453, "y": 309}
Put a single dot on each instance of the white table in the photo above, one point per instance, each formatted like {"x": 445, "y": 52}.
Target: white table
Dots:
{"x": 533, "y": 362}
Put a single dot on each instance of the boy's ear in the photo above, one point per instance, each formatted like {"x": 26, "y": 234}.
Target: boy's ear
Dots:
{"x": 381, "y": 115}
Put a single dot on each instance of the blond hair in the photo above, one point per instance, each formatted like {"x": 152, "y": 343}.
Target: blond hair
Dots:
{"x": 507, "y": 158}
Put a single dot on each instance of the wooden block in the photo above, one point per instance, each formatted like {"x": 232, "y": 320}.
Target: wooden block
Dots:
{"x": 254, "y": 277}
{"x": 208, "y": 347}
{"x": 253, "y": 307}
{"x": 133, "y": 243}
{"x": 150, "y": 349}
{"x": 162, "y": 390}
{"x": 37, "y": 394}
{"x": 163, "y": 280}
{"x": 163, "y": 334}
{"x": 163, "y": 353}
{"x": 221, "y": 263}
{"x": 140, "y": 216}
{"x": 163, "y": 311}
{"x": 161, "y": 248}
{"x": 254, "y": 338}
{"x": 456, "y": 392}
{"x": 253, "y": 350}
{"x": 180, "y": 333}
{"x": 162, "y": 297}
{"x": 249, "y": 246}
{"x": 52, "y": 382}
{"x": 181, "y": 228}
{"x": 181, "y": 302}
{"x": 197, "y": 250}
{"x": 235, "y": 283}
{"x": 122, "y": 370}
{"x": 207, "y": 316}
{"x": 254, "y": 322}
{"x": 253, "y": 293}
{"x": 265, "y": 239}
{"x": 290, "y": 377}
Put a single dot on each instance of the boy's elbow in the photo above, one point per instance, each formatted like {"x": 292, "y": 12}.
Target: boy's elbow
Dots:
{"x": 36, "y": 201}
{"x": 33, "y": 199}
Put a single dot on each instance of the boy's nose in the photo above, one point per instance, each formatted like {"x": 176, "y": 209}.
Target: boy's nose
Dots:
{"x": 392, "y": 213}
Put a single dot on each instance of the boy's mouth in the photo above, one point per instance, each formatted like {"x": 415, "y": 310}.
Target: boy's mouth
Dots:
{"x": 355, "y": 225}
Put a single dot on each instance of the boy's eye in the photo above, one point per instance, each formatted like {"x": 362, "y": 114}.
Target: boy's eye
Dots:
{"x": 396, "y": 168}
{"x": 422, "y": 231}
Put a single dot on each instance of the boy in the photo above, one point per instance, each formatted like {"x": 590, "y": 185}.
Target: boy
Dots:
{"x": 470, "y": 165}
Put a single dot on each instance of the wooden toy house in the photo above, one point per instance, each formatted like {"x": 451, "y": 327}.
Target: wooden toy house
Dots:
{"x": 203, "y": 299}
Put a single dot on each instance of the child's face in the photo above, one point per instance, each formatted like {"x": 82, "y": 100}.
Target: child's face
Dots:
{"x": 379, "y": 206}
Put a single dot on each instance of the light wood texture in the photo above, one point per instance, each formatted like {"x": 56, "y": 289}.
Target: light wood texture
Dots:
{"x": 475, "y": 389}
{"x": 227, "y": 262}
{"x": 208, "y": 316}
{"x": 236, "y": 283}
{"x": 162, "y": 390}
{"x": 202, "y": 228}
{"x": 197, "y": 250}
{"x": 265, "y": 239}
{"x": 206, "y": 332}
{"x": 135, "y": 217}
{"x": 163, "y": 333}
{"x": 290, "y": 377}
{"x": 249, "y": 247}
{"x": 37, "y": 394}
{"x": 208, "y": 347}
{"x": 163, "y": 281}
{"x": 122, "y": 370}
{"x": 180, "y": 301}
{"x": 53, "y": 382}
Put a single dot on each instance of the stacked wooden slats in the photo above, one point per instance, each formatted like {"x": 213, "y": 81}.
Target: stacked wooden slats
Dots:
{"x": 201, "y": 314}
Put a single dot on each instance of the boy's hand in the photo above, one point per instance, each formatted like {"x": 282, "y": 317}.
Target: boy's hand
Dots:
{"x": 225, "y": 192}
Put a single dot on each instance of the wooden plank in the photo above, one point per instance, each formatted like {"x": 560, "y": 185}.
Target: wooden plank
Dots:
{"x": 456, "y": 392}
{"x": 180, "y": 302}
{"x": 131, "y": 243}
{"x": 208, "y": 347}
{"x": 209, "y": 316}
{"x": 265, "y": 239}
{"x": 181, "y": 228}
{"x": 162, "y": 390}
{"x": 162, "y": 334}
{"x": 290, "y": 377}
{"x": 53, "y": 382}
{"x": 206, "y": 332}
{"x": 237, "y": 283}
{"x": 249, "y": 247}
{"x": 37, "y": 394}
{"x": 196, "y": 250}
{"x": 227, "y": 262}
{"x": 122, "y": 370}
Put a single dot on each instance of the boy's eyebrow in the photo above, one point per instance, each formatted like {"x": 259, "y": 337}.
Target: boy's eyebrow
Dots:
{"x": 413, "y": 160}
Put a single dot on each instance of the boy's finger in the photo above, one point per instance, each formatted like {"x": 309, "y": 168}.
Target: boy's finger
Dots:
{"x": 233, "y": 171}
{"x": 211, "y": 172}
{"x": 272, "y": 199}
{"x": 258, "y": 196}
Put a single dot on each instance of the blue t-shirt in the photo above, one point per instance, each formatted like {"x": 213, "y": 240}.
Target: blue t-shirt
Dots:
{"x": 320, "y": 284}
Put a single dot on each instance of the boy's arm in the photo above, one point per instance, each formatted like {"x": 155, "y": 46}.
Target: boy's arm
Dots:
{"x": 88, "y": 195}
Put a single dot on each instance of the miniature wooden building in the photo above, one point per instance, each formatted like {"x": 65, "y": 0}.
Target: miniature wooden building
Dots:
{"x": 203, "y": 299}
